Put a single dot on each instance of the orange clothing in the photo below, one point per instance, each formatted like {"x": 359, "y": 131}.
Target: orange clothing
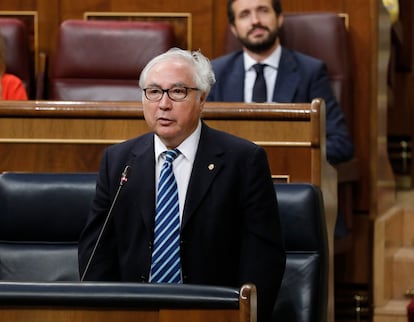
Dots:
{"x": 12, "y": 88}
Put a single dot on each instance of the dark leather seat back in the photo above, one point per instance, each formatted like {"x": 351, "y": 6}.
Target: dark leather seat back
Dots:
{"x": 19, "y": 60}
{"x": 303, "y": 296}
{"x": 41, "y": 217}
{"x": 102, "y": 60}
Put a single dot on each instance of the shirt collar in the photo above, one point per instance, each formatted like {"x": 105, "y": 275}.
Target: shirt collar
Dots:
{"x": 272, "y": 61}
{"x": 188, "y": 147}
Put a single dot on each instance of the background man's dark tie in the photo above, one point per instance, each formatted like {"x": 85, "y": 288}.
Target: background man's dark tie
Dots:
{"x": 259, "y": 88}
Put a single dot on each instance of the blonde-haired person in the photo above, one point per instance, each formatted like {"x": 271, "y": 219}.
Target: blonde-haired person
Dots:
{"x": 11, "y": 86}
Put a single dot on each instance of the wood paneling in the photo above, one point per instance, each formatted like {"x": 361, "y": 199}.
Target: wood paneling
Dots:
{"x": 25, "y": 314}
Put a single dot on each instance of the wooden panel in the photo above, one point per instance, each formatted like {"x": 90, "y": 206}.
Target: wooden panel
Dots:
{"x": 50, "y": 157}
{"x": 198, "y": 316}
{"x": 112, "y": 315}
{"x": 293, "y": 163}
{"x": 70, "y": 136}
{"x": 64, "y": 136}
{"x": 78, "y": 315}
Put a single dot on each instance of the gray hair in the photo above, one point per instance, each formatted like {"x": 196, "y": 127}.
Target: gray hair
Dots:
{"x": 203, "y": 72}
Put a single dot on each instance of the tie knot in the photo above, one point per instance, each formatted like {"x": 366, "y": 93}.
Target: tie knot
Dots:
{"x": 259, "y": 68}
{"x": 171, "y": 155}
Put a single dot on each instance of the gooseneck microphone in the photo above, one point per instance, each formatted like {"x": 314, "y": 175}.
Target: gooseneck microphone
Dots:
{"x": 124, "y": 179}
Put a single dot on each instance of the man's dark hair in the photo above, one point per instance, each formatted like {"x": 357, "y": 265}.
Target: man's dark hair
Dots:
{"x": 277, "y": 6}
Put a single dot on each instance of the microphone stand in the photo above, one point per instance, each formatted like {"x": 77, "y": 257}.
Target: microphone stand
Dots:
{"x": 124, "y": 179}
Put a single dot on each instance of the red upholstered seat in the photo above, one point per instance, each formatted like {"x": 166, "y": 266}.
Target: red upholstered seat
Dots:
{"x": 102, "y": 60}
{"x": 19, "y": 60}
{"x": 301, "y": 31}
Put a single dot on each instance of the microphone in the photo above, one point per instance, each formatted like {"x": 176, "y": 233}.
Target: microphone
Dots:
{"x": 124, "y": 179}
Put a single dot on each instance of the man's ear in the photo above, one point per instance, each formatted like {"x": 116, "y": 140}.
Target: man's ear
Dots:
{"x": 233, "y": 30}
{"x": 203, "y": 97}
{"x": 280, "y": 20}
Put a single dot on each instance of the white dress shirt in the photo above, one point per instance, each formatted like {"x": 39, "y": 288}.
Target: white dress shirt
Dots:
{"x": 182, "y": 166}
{"x": 270, "y": 74}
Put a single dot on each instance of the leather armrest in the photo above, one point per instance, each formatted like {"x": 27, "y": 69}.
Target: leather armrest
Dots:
{"x": 131, "y": 295}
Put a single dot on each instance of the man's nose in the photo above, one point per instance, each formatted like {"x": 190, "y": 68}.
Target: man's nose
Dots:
{"x": 165, "y": 101}
{"x": 254, "y": 18}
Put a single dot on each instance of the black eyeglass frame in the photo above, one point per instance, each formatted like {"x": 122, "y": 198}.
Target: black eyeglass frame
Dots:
{"x": 163, "y": 91}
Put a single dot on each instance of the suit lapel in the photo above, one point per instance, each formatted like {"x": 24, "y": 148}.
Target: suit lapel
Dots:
{"x": 287, "y": 80}
{"x": 235, "y": 81}
{"x": 142, "y": 175}
{"x": 207, "y": 164}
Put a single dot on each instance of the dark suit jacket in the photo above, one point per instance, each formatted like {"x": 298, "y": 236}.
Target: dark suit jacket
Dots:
{"x": 300, "y": 79}
{"x": 230, "y": 232}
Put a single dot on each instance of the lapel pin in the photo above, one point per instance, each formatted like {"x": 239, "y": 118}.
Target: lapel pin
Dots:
{"x": 211, "y": 166}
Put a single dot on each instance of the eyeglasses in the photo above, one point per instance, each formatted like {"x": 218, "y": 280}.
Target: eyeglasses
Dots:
{"x": 174, "y": 93}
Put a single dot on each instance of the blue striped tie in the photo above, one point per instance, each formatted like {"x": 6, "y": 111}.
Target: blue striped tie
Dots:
{"x": 165, "y": 267}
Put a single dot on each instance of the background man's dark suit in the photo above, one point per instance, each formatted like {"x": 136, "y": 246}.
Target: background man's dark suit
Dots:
{"x": 300, "y": 79}
{"x": 227, "y": 221}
